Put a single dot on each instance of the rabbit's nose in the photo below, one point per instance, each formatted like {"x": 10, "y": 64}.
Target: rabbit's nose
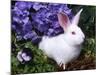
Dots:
{"x": 83, "y": 36}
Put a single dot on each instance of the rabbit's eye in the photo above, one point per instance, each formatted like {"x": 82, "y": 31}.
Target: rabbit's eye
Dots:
{"x": 73, "y": 33}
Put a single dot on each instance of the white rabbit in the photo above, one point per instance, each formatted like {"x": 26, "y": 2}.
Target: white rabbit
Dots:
{"x": 65, "y": 47}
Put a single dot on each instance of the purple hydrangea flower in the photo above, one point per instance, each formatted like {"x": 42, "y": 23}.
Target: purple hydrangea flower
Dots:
{"x": 25, "y": 55}
{"x": 30, "y": 35}
{"x": 38, "y": 17}
{"x": 23, "y": 5}
{"x": 38, "y": 6}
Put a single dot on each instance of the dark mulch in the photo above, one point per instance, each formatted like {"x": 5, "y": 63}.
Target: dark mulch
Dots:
{"x": 84, "y": 62}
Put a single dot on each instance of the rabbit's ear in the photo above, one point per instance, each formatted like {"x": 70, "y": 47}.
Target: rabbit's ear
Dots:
{"x": 76, "y": 18}
{"x": 63, "y": 20}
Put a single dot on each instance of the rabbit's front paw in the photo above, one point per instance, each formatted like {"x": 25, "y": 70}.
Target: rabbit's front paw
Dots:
{"x": 62, "y": 65}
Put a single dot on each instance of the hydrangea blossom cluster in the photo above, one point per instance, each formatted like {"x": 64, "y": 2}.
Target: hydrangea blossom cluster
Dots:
{"x": 32, "y": 20}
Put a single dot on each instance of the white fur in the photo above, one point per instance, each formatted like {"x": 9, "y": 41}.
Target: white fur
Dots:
{"x": 65, "y": 47}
